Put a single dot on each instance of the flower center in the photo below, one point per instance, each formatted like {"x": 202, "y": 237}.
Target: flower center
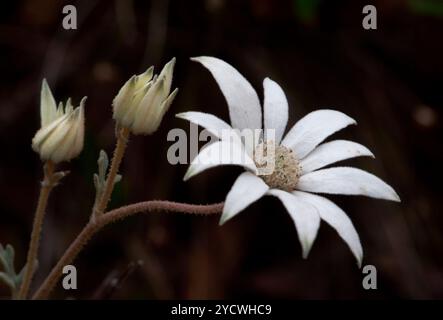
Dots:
{"x": 286, "y": 167}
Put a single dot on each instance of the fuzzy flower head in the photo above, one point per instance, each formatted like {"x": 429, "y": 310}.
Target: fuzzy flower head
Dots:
{"x": 144, "y": 99}
{"x": 61, "y": 135}
{"x": 298, "y": 158}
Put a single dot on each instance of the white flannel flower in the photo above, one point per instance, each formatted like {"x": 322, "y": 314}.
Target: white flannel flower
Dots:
{"x": 298, "y": 158}
{"x": 61, "y": 135}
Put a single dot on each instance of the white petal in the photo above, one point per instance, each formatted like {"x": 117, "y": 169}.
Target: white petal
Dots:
{"x": 220, "y": 153}
{"x": 80, "y": 130}
{"x": 69, "y": 107}
{"x": 48, "y": 106}
{"x": 243, "y": 102}
{"x": 338, "y": 220}
{"x": 122, "y": 103}
{"x": 304, "y": 215}
{"x": 142, "y": 79}
{"x": 313, "y": 128}
{"x": 42, "y": 134}
{"x": 167, "y": 73}
{"x": 208, "y": 121}
{"x": 275, "y": 109}
{"x": 346, "y": 180}
{"x": 222, "y": 130}
{"x": 50, "y": 147}
{"x": 247, "y": 189}
{"x": 70, "y": 143}
{"x": 331, "y": 152}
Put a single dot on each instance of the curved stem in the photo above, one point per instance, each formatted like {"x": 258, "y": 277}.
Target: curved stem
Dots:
{"x": 122, "y": 141}
{"x": 45, "y": 190}
{"x": 112, "y": 216}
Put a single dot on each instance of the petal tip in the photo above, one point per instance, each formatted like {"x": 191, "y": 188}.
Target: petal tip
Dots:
{"x": 181, "y": 115}
{"x": 394, "y": 196}
{"x": 351, "y": 121}
{"x": 189, "y": 174}
{"x": 305, "y": 253}
{"x": 197, "y": 59}
{"x": 225, "y": 217}
{"x": 306, "y": 249}
{"x": 83, "y": 101}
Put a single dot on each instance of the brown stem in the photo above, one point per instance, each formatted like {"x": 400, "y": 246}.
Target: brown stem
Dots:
{"x": 122, "y": 141}
{"x": 112, "y": 216}
{"x": 45, "y": 190}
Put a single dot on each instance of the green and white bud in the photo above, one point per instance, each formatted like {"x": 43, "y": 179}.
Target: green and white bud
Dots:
{"x": 61, "y": 135}
{"x": 144, "y": 99}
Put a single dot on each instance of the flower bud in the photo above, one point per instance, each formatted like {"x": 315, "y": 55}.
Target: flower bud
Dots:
{"x": 144, "y": 99}
{"x": 60, "y": 137}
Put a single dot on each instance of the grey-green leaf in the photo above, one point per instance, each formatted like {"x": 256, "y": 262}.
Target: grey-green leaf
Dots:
{"x": 97, "y": 183}
{"x": 9, "y": 276}
{"x": 6, "y": 279}
{"x": 103, "y": 163}
{"x": 10, "y": 253}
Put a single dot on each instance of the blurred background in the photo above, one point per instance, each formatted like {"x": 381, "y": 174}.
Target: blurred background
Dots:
{"x": 389, "y": 80}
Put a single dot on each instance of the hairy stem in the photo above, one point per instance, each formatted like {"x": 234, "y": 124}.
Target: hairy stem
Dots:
{"x": 45, "y": 190}
{"x": 122, "y": 141}
{"x": 112, "y": 216}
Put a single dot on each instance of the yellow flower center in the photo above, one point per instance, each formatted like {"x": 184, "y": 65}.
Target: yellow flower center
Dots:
{"x": 286, "y": 167}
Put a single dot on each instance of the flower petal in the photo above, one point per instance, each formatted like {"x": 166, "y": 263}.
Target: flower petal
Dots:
{"x": 142, "y": 79}
{"x": 50, "y": 146}
{"x": 220, "y": 153}
{"x": 244, "y": 105}
{"x": 167, "y": 74}
{"x": 208, "y": 121}
{"x": 122, "y": 103}
{"x": 275, "y": 109}
{"x": 44, "y": 132}
{"x": 331, "y": 152}
{"x": 346, "y": 180}
{"x": 222, "y": 130}
{"x": 313, "y": 128}
{"x": 79, "y": 130}
{"x": 247, "y": 189}
{"x": 48, "y": 107}
{"x": 337, "y": 219}
{"x": 72, "y": 143}
{"x": 304, "y": 215}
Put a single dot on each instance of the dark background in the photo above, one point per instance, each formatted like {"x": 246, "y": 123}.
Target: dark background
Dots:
{"x": 389, "y": 80}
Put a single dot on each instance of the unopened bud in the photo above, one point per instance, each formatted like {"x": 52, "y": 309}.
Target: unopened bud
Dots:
{"x": 144, "y": 99}
{"x": 61, "y": 135}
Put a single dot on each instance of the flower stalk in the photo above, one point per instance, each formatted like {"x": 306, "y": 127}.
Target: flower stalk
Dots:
{"x": 122, "y": 142}
{"x": 46, "y": 187}
{"x": 112, "y": 216}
